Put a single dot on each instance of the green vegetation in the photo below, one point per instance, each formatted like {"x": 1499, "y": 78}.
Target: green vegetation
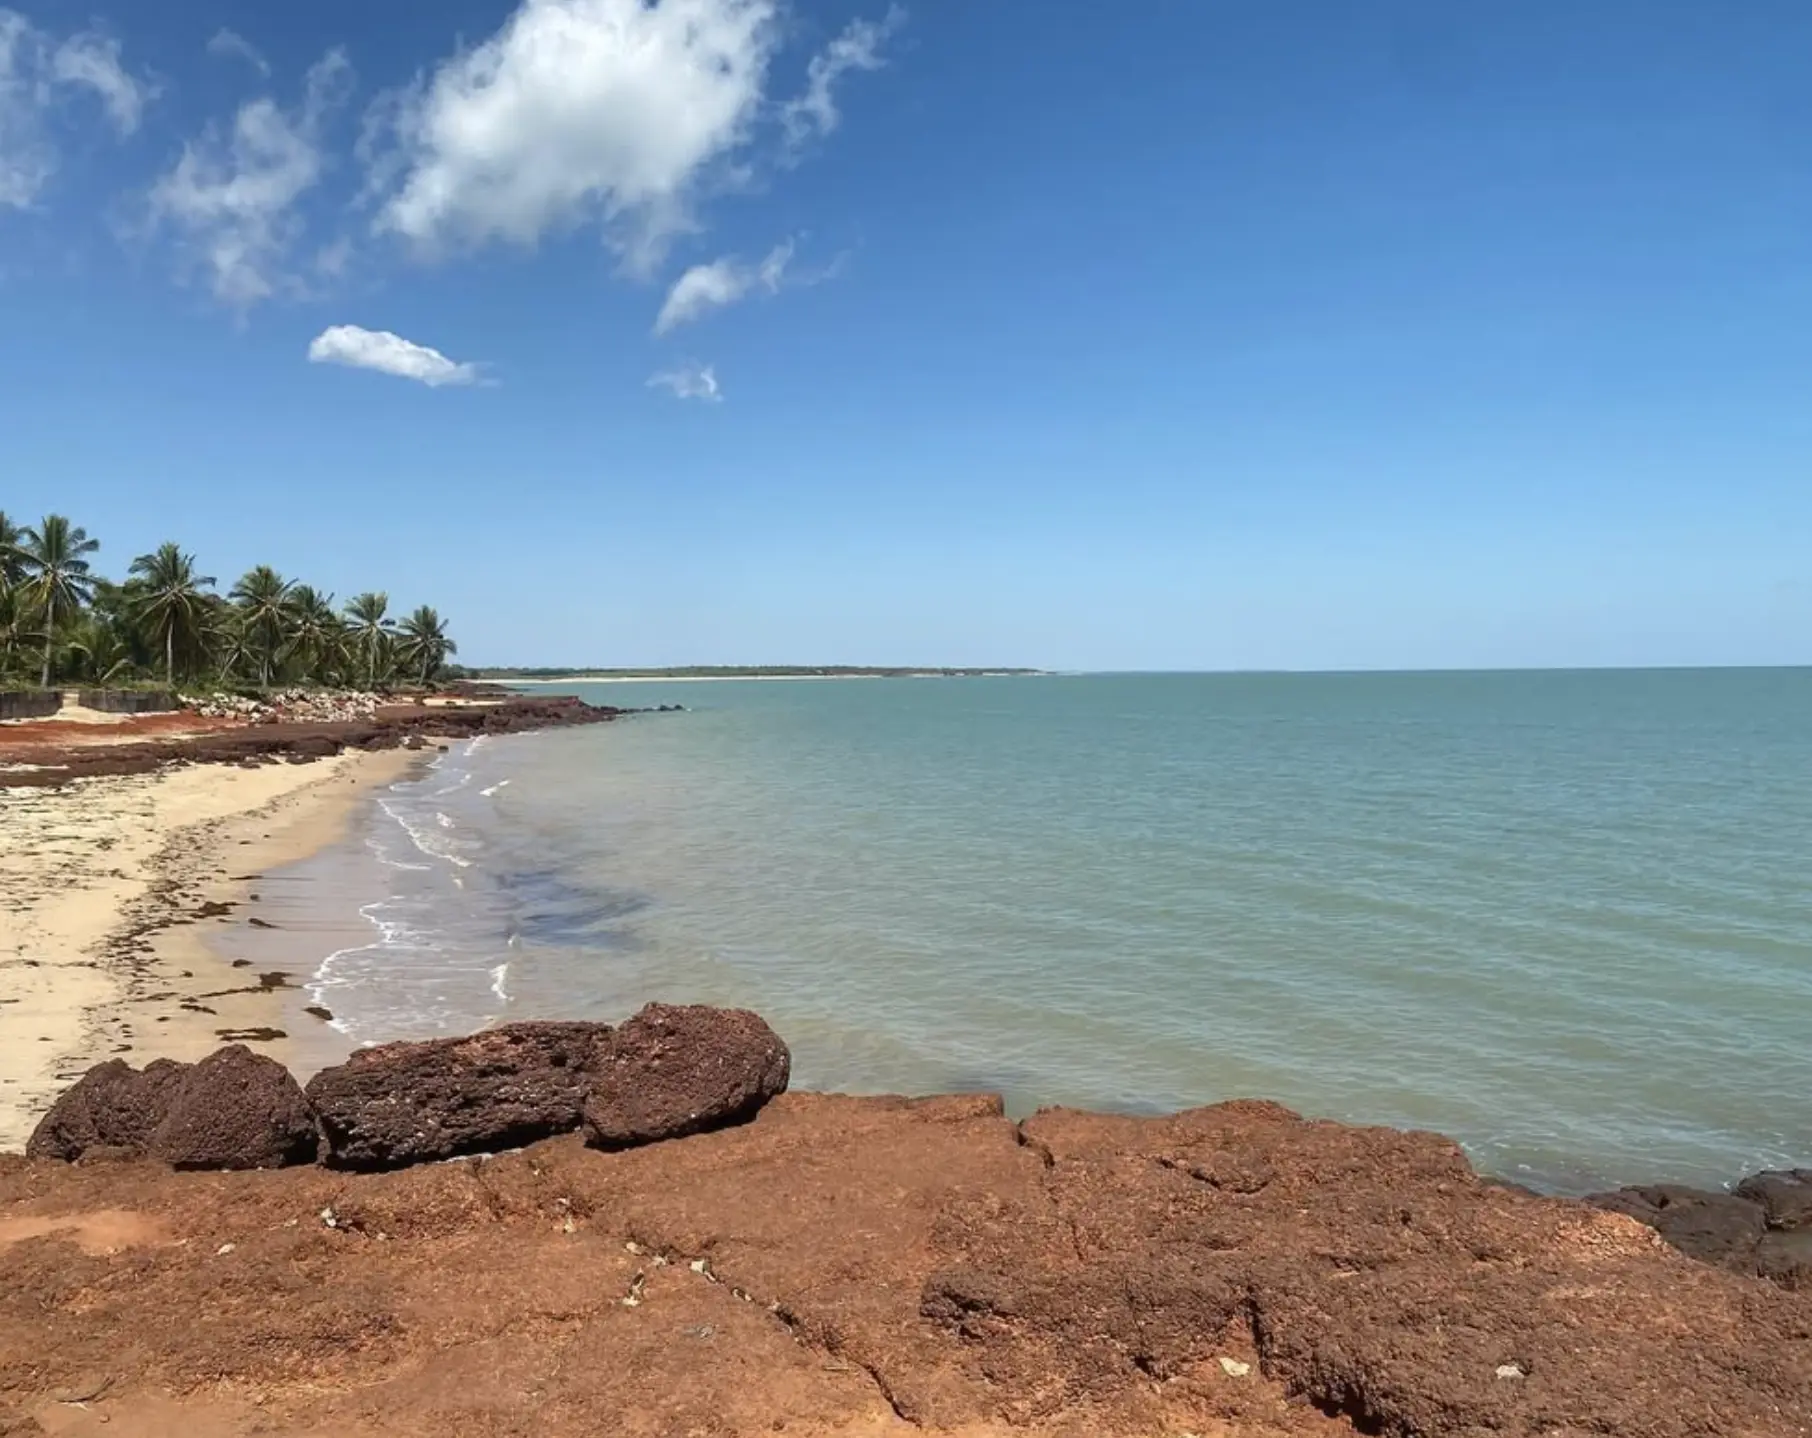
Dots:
{"x": 745, "y": 671}
{"x": 60, "y": 622}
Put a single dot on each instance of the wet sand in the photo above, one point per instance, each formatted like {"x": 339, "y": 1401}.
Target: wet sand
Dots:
{"x": 295, "y": 916}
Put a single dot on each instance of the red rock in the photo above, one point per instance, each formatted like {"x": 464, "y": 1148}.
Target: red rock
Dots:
{"x": 407, "y": 1103}
{"x": 677, "y": 1070}
{"x": 112, "y": 1106}
{"x": 1784, "y": 1194}
{"x": 55, "y": 764}
{"x": 1715, "y": 1228}
{"x": 1786, "y": 1259}
{"x": 236, "y": 1109}
{"x": 857, "y": 1266}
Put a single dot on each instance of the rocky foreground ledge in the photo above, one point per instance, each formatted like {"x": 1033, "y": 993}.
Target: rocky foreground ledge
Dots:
{"x": 697, "y": 1253}
{"x": 399, "y": 727}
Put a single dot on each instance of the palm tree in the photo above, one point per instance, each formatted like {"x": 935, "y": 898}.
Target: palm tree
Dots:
{"x": 263, "y": 599}
{"x": 316, "y": 631}
{"x": 55, "y": 576}
{"x": 229, "y": 643}
{"x": 12, "y": 559}
{"x": 12, "y": 625}
{"x": 171, "y": 602}
{"x": 60, "y": 617}
{"x": 425, "y": 642}
{"x": 370, "y": 629}
{"x": 100, "y": 651}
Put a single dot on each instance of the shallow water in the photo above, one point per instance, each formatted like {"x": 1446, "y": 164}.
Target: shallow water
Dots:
{"x": 1564, "y": 917}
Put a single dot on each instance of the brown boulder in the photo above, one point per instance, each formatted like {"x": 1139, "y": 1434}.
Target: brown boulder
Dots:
{"x": 236, "y": 1109}
{"x": 112, "y": 1106}
{"x": 1712, "y": 1227}
{"x": 1786, "y": 1259}
{"x": 1784, "y": 1194}
{"x": 676, "y": 1070}
{"x": 407, "y": 1103}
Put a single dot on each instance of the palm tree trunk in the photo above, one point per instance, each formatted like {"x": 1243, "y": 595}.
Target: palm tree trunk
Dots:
{"x": 170, "y": 656}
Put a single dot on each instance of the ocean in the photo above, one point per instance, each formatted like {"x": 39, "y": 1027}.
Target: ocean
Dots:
{"x": 1565, "y": 918}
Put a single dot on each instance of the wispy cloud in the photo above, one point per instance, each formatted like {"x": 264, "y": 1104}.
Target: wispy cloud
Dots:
{"x": 93, "y": 60}
{"x": 689, "y": 380}
{"x": 232, "y": 196}
{"x": 36, "y": 73}
{"x": 231, "y": 45}
{"x": 722, "y": 282}
{"x": 389, "y": 353}
{"x": 332, "y": 259}
{"x": 857, "y": 48}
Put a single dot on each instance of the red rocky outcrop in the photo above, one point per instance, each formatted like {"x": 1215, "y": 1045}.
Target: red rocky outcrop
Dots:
{"x": 111, "y": 1107}
{"x": 406, "y": 1103}
{"x": 672, "y": 1071}
{"x": 880, "y": 1267}
{"x": 236, "y": 1109}
{"x": 1762, "y": 1227}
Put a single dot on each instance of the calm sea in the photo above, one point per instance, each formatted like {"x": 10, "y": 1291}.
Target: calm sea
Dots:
{"x": 1563, "y": 917}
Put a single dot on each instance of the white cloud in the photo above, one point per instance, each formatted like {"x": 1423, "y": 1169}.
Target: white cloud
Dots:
{"x": 389, "y": 354}
{"x": 27, "y": 158}
{"x": 690, "y": 380}
{"x": 857, "y": 48}
{"x": 94, "y": 60}
{"x": 722, "y": 282}
{"x": 618, "y": 113}
{"x": 35, "y": 71}
{"x": 232, "y": 196}
{"x": 231, "y": 45}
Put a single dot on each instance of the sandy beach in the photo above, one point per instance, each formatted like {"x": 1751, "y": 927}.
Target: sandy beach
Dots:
{"x": 103, "y": 943}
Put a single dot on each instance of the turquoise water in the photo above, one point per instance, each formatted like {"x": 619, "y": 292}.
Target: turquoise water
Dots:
{"x": 1564, "y": 917}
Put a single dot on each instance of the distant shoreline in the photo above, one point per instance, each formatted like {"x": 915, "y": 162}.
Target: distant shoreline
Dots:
{"x": 514, "y": 681}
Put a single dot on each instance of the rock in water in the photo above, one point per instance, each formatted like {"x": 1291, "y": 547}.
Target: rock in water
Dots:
{"x": 1784, "y": 1194}
{"x": 409, "y": 1103}
{"x": 112, "y": 1106}
{"x": 236, "y": 1109}
{"x": 1785, "y": 1255}
{"x": 1712, "y": 1227}
{"x": 672, "y": 1071}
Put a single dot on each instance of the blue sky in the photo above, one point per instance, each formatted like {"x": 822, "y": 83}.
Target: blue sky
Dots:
{"x": 1162, "y": 336}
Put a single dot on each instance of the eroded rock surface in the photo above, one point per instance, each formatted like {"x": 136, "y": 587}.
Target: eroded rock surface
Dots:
{"x": 113, "y": 1106}
{"x": 235, "y": 1109}
{"x": 1762, "y": 1227}
{"x": 406, "y": 1103}
{"x": 1715, "y": 1228}
{"x": 1784, "y": 1194}
{"x": 674, "y": 1070}
{"x": 888, "y": 1267}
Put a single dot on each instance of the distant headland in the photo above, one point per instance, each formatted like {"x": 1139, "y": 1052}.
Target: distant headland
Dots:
{"x": 738, "y": 671}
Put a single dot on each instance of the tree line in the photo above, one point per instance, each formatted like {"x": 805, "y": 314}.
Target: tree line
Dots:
{"x": 61, "y": 621}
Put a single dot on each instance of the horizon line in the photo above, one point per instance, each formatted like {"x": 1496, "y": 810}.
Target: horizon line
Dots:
{"x": 1031, "y": 671}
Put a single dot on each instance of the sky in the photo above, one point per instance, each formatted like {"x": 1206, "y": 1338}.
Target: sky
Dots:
{"x": 1221, "y": 335}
